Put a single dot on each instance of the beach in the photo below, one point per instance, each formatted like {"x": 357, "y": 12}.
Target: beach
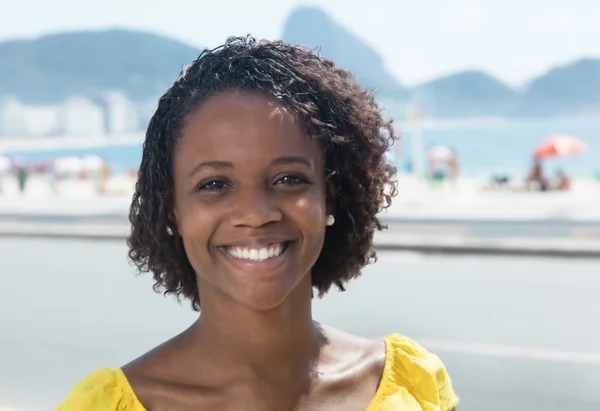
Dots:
{"x": 465, "y": 192}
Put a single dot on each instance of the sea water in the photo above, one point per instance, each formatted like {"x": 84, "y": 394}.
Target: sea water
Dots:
{"x": 484, "y": 148}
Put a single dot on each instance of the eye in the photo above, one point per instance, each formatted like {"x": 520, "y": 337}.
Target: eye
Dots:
{"x": 212, "y": 185}
{"x": 290, "y": 180}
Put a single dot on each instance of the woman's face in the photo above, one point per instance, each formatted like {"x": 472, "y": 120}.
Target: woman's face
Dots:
{"x": 250, "y": 198}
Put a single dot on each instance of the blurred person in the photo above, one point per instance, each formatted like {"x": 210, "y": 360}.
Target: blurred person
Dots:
{"x": 438, "y": 173}
{"x": 22, "y": 176}
{"x": 563, "y": 182}
{"x": 103, "y": 178}
{"x": 537, "y": 177}
{"x": 262, "y": 176}
{"x": 453, "y": 168}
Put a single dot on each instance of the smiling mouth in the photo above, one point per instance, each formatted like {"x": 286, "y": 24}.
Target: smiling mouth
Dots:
{"x": 257, "y": 253}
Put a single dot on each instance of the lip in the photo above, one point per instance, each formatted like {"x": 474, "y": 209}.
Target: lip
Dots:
{"x": 258, "y": 266}
{"x": 258, "y": 242}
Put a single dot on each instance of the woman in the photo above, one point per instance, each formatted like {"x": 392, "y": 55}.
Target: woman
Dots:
{"x": 262, "y": 176}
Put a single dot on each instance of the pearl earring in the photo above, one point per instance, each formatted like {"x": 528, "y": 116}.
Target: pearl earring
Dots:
{"x": 169, "y": 231}
{"x": 330, "y": 220}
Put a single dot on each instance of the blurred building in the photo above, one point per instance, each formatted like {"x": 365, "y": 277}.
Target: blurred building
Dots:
{"x": 12, "y": 117}
{"x": 112, "y": 113}
{"x": 121, "y": 115}
{"x": 19, "y": 120}
{"x": 145, "y": 110}
{"x": 394, "y": 108}
{"x": 81, "y": 117}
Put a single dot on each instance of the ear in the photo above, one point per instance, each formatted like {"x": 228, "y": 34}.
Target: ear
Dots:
{"x": 174, "y": 218}
{"x": 330, "y": 194}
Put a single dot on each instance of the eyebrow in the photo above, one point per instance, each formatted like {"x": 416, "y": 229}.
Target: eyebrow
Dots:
{"x": 277, "y": 161}
{"x": 211, "y": 164}
{"x": 292, "y": 160}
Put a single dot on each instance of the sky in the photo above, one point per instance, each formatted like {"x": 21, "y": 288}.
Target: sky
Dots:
{"x": 514, "y": 40}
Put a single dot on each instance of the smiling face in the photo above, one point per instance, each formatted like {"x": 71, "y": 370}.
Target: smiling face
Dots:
{"x": 250, "y": 199}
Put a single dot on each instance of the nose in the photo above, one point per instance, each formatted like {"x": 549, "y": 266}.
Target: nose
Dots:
{"x": 255, "y": 207}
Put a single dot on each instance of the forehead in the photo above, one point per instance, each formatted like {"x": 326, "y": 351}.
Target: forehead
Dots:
{"x": 243, "y": 127}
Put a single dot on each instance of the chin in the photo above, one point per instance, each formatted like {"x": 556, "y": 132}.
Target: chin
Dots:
{"x": 262, "y": 305}
{"x": 266, "y": 297}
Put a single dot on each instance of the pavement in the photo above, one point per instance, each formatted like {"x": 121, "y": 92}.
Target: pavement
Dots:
{"x": 514, "y": 333}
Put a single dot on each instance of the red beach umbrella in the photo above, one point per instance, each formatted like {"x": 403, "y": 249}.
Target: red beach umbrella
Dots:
{"x": 560, "y": 145}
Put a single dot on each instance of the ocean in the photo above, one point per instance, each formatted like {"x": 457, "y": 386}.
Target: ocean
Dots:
{"x": 484, "y": 148}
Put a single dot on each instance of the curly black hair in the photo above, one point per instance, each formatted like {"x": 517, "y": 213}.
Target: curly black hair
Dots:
{"x": 333, "y": 107}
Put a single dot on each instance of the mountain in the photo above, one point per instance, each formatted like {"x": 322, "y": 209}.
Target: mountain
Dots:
{"x": 143, "y": 65}
{"x": 50, "y": 68}
{"x": 571, "y": 89}
{"x": 470, "y": 93}
{"x": 312, "y": 28}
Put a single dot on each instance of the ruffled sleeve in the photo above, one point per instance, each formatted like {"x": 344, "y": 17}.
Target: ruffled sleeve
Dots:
{"x": 413, "y": 379}
{"x": 104, "y": 390}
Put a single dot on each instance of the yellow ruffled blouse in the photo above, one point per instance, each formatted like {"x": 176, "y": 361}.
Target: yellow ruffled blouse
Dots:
{"x": 413, "y": 380}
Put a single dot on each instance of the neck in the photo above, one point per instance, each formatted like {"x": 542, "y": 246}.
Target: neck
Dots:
{"x": 283, "y": 340}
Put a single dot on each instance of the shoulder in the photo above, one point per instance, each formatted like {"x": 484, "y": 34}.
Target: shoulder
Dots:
{"x": 411, "y": 367}
{"x": 104, "y": 389}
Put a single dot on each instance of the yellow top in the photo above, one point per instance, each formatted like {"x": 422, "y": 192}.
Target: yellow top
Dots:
{"x": 413, "y": 380}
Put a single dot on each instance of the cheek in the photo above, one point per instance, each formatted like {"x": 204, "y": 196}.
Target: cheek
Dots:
{"x": 195, "y": 228}
{"x": 310, "y": 212}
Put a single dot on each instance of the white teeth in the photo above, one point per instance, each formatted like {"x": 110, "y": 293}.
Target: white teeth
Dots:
{"x": 255, "y": 254}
